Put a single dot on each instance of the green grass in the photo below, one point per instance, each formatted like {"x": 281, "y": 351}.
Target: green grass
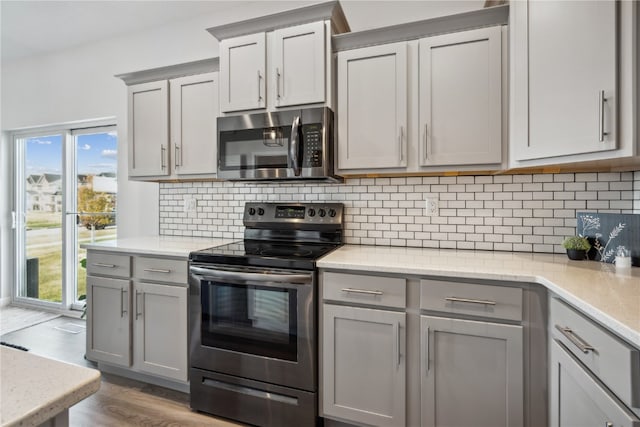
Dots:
{"x": 38, "y": 220}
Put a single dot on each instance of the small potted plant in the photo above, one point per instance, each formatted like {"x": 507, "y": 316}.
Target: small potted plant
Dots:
{"x": 577, "y": 247}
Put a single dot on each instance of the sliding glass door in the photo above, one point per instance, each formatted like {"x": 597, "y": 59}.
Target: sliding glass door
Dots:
{"x": 65, "y": 195}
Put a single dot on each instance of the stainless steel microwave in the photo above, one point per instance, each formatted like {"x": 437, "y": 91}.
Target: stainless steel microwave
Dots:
{"x": 282, "y": 145}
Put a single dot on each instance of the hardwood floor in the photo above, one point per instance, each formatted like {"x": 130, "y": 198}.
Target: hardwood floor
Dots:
{"x": 120, "y": 401}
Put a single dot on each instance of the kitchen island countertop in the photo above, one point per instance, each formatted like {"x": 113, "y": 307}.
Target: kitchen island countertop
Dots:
{"x": 610, "y": 296}
{"x": 174, "y": 246}
{"x": 35, "y": 389}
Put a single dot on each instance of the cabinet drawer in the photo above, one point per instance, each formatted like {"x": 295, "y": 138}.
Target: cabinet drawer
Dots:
{"x": 371, "y": 290}
{"x": 613, "y": 361}
{"x": 103, "y": 264}
{"x": 496, "y": 302}
{"x": 160, "y": 269}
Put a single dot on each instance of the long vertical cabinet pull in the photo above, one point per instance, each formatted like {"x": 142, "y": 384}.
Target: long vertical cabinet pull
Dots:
{"x": 259, "y": 84}
{"x": 278, "y": 82}
{"x": 425, "y": 155}
{"x": 139, "y": 297}
{"x": 176, "y": 151}
{"x": 601, "y": 101}
{"x": 403, "y": 157}
{"x": 426, "y": 351}
{"x": 396, "y": 328}
{"x": 162, "y": 153}
{"x": 123, "y": 306}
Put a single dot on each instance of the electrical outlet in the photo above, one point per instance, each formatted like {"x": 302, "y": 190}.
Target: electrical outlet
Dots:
{"x": 189, "y": 204}
{"x": 431, "y": 206}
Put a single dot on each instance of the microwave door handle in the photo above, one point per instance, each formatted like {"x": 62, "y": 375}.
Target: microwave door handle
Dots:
{"x": 208, "y": 273}
{"x": 294, "y": 147}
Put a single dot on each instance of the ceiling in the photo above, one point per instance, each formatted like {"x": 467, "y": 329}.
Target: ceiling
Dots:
{"x": 40, "y": 27}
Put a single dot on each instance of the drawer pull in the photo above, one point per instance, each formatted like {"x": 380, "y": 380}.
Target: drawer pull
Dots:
{"x": 471, "y": 301}
{"x": 361, "y": 291}
{"x": 575, "y": 340}
{"x": 99, "y": 264}
{"x": 157, "y": 270}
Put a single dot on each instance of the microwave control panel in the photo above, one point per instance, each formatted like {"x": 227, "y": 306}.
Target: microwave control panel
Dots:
{"x": 312, "y": 143}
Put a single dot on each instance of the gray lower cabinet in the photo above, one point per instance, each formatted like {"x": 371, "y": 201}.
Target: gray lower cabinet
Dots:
{"x": 160, "y": 322}
{"x": 364, "y": 376}
{"x": 137, "y": 319}
{"x": 471, "y": 373}
{"x": 579, "y": 399}
{"x": 108, "y": 321}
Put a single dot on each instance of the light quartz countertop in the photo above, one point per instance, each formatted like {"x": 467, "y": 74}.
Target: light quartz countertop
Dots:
{"x": 35, "y": 389}
{"x": 610, "y": 296}
{"x": 174, "y": 246}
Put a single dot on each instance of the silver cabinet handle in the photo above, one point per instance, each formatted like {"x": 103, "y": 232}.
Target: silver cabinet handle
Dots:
{"x": 139, "y": 296}
{"x": 396, "y": 331}
{"x": 426, "y": 142}
{"x": 361, "y": 291}
{"x": 157, "y": 270}
{"x": 471, "y": 301}
{"x": 99, "y": 264}
{"x": 601, "y": 101}
{"x": 426, "y": 350}
{"x": 176, "y": 151}
{"x": 162, "y": 153}
{"x": 575, "y": 339}
{"x": 400, "y": 142}
{"x": 259, "y": 84}
{"x": 123, "y": 309}
{"x": 278, "y": 82}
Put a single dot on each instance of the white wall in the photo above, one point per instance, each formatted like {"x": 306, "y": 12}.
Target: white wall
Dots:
{"x": 78, "y": 84}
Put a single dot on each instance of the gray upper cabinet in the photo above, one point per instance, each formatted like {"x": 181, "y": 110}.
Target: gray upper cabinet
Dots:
{"x": 460, "y": 78}
{"x": 579, "y": 399}
{"x": 571, "y": 81}
{"x": 299, "y": 61}
{"x": 364, "y": 360}
{"x": 372, "y": 107}
{"x": 194, "y": 109}
{"x": 172, "y": 128}
{"x": 243, "y": 72}
{"x": 148, "y": 136}
{"x": 472, "y": 373}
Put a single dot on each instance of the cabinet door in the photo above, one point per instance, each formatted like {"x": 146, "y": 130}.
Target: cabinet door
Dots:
{"x": 242, "y": 73}
{"x": 108, "y": 320}
{"x": 461, "y": 98}
{"x": 565, "y": 85}
{"x": 299, "y": 61}
{"x": 372, "y": 107}
{"x": 578, "y": 399}
{"x": 194, "y": 112}
{"x": 160, "y": 333}
{"x": 148, "y": 116}
{"x": 472, "y": 373}
{"x": 364, "y": 365}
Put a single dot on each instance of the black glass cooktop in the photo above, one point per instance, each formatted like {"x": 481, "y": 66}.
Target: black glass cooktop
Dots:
{"x": 265, "y": 254}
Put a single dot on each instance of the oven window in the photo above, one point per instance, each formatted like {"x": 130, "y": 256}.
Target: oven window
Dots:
{"x": 250, "y": 319}
{"x": 251, "y": 149}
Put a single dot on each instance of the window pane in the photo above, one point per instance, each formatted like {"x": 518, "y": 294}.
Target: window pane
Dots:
{"x": 43, "y": 213}
{"x": 97, "y": 190}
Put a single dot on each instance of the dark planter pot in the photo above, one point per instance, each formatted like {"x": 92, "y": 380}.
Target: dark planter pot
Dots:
{"x": 577, "y": 254}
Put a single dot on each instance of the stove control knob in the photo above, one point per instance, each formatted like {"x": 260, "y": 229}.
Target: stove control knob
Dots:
{"x": 312, "y": 212}
{"x": 260, "y": 211}
{"x": 322, "y": 213}
{"x": 252, "y": 211}
{"x": 332, "y": 213}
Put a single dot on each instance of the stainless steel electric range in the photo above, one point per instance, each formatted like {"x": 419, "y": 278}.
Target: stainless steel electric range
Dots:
{"x": 253, "y": 316}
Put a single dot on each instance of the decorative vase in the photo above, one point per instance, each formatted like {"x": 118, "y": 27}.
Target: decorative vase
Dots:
{"x": 577, "y": 254}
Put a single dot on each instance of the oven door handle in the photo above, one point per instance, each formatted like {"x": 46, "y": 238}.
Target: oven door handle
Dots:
{"x": 208, "y": 273}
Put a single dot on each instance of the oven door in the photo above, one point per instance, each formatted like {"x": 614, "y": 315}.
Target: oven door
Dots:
{"x": 254, "y": 323}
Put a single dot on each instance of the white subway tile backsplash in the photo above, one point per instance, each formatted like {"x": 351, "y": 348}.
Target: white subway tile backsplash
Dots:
{"x": 523, "y": 213}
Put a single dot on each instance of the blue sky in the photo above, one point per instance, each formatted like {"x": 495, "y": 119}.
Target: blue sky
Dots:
{"x": 96, "y": 153}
